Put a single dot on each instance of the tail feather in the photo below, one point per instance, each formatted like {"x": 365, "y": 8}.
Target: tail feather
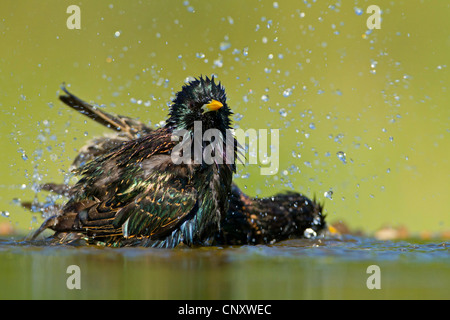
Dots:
{"x": 104, "y": 118}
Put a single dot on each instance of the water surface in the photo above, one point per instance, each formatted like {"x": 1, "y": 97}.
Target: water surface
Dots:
{"x": 294, "y": 269}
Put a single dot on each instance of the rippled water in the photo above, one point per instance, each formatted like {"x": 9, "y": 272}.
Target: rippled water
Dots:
{"x": 296, "y": 269}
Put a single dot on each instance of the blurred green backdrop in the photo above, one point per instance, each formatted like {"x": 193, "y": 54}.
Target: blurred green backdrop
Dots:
{"x": 309, "y": 68}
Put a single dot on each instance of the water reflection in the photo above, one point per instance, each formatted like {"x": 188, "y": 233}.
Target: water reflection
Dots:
{"x": 294, "y": 269}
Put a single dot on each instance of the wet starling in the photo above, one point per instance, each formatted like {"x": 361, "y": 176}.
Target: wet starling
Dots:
{"x": 136, "y": 194}
{"x": 248, "y": 220}
{"x": 269, "y": 220}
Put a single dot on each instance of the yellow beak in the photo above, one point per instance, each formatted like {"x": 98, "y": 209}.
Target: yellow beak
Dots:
{"x": 214, "y": 105}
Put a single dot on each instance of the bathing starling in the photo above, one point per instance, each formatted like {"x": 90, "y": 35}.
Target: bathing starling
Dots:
{"x": 136, "y": 194}
{"x": 248, "y": 220}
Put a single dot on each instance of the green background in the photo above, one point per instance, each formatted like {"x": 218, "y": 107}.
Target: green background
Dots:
{"x": 311, "y": 69}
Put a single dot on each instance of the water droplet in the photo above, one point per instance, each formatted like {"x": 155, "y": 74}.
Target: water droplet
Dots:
{"x": 200, "y": 55}
{"x": 309, "y": 233}
{"x": 283, "y": 112}
{"x": 218, "y": 62}
{"x": 317, "y": 221}
{"x": 328, "y": 194}
{"x": 358, "y": 11}
{"x": 265, "y": 97}
{"x": 238, "y": 117}
{"x": 4, "y": 214}
{"x": 312, "y": 126}
{"x": 117, "y": 34}
{"x": 224, "y": 45}
{"x": 342, "y": 156}
{"x": 287, "y": 92}
{"x": 296, "y": 155}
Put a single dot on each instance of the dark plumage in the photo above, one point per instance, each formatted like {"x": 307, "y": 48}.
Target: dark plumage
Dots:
{"x": 248, "y": 220}
{"x": 135, "y": 194}
{"x": 269, "y": 220}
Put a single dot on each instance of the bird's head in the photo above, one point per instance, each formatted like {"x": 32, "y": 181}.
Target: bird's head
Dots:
{"x": 200, "y": 100}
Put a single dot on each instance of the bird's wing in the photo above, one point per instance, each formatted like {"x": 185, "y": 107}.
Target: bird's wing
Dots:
{"x": 152, "y": 211}
{"x": 157, "y": 210}
{"x": 136, "y": 190}
{"x": 96, "y": 147}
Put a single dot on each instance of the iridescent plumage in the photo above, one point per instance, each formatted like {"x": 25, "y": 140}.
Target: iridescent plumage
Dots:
{"x": 135, "y": 194}
{"x": 131, "y": 193}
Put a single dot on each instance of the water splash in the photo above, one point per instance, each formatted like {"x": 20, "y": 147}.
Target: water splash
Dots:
{"x": 358, "y": 11}
{"x": 4, "y": 214}
{"x": 287, "y": 92}
{"x": 224, "y": 45}
{"x": 283, "y": 112}
{"x": 309, "y": 233}
{"x": 342, "y": 156}
{"x": 328, "y": 194}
